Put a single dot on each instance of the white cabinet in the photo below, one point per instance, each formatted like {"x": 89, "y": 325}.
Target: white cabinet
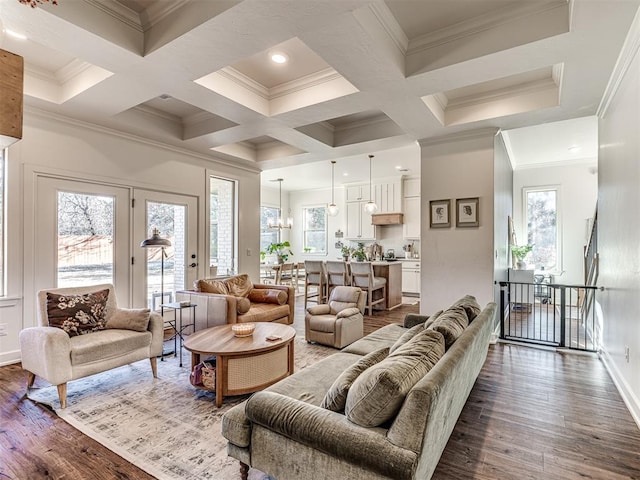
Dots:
{"x": 359, "y": 225}
{"x": 411, "y": 187}
{"x": 356, "y": 193}
{"x": 411, "y": 226}
{"x": 411, "y": 276}
{"x": 388, "y": 196}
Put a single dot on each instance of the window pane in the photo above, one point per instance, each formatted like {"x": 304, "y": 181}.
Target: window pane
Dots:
{"x": 166, "y": 267}
{"x": 315, "y": 229}
{"x": 542, "y": 228}
{"x": 268, "y": 235}
{"x": 222, "y": 256}
{"x": 85, "y": 239}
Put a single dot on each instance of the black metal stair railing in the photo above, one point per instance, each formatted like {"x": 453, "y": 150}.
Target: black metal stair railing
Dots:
{"x": 563, "y": 316}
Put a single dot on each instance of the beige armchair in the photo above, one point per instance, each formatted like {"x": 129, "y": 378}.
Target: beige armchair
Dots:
{"x": 50, "y": 353}
{"x": 339, "y": 322}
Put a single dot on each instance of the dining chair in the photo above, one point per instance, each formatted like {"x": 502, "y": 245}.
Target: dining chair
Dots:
{"x": 285, "y": 274}
{"x": 315, "y": 276}
{"x": 362, "y": 276}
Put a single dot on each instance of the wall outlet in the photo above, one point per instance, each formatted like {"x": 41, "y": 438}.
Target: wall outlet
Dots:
{"x": 626, "y": 353}
{"x": 3, "y": 329}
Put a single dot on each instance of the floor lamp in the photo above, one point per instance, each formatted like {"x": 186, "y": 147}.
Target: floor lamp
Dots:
{"x": 158, "y": 242}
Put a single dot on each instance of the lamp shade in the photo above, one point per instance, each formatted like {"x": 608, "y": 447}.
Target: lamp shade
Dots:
{"x": 155, "y": 241}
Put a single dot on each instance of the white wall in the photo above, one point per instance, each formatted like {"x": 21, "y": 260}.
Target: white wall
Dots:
{"x": 578, "y": 192}
{"x": 73, "y": 149}
{"x": 503, "y": 209}
{"x": 619, "y": 225}
{"x": 457, "y": 261}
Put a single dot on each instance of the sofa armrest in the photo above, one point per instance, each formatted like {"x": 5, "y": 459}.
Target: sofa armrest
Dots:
{"x": 46, "y": 352}
{"x": 321, "y": 309}
{"x": 331, "y": 433}
{"x": 156, "y": 327}
{"x": 413, "y": 319}
{"x": 291, "y": 296}
{"x": 348, "y": 312}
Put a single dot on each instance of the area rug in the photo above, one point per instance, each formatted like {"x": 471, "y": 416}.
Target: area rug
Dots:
{"x": 164, "y": 426}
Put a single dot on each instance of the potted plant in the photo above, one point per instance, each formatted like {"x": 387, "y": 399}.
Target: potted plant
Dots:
{"x": 282, "y": 250}
{"x": 519, "y": 252}
{"x": 359, "y": 254}
{"x": 346, "y": 252}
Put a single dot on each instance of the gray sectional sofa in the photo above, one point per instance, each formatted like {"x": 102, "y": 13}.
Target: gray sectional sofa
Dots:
{"x": 285, "y": 432}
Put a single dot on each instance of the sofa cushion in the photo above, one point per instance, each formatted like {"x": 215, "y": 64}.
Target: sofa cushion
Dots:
{"x": 336, "y": 396}
{"x": 107, "y": 344}
{"x": 451, "y": 324}
{"x": 77, "y": 314}
{"x": 136, "y": 319}
{"x": 406, "y": 336}
{"x": 322, "y": 323}
{"x": 470, "y": 305}
{"x": 268, "y": 295}
{"x": 211, "y": 286}
{"x": 264, "y": 312}
{"x": 377, "y": 394}
{"x": 240, "y": 285}
{"x": 383, "y": 337}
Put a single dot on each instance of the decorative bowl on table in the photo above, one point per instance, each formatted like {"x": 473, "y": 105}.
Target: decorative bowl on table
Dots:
{"x": 243, "y": 329}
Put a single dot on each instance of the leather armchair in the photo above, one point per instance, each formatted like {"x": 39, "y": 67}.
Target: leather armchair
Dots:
{"x": 339, "y": 322}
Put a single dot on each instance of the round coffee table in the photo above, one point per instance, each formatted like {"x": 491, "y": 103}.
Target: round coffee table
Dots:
{"x": 244, "y": 364}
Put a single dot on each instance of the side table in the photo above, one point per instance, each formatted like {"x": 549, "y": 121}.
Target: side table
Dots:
{"x": 178, "y": 326}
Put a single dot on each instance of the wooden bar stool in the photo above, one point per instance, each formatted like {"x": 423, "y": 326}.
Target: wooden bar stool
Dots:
{"x": 315, "y": 276}
{"x": 362, "y": 276}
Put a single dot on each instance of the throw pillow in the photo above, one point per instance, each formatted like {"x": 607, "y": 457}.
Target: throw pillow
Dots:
{"x": 406, "y": 336}
{"x": 242, "y": 305}
{"x": 136, "y": 319}
{"x": 336, "y": 396}
{"x": 432, "y": 318}
{"x": 77, "y": 314}
{"x": 240, "y": 285}
{"x": 268, "y": 295}
{"x": 378, "y": 393}
{"x": 211, "y": 286}
{"x": 451, "y": 324}
{"x": 470, "y": 305}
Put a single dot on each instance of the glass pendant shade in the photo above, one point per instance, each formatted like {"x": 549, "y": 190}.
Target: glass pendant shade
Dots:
{"x": 332, "y": 209}
{"x": 370, "y": 207}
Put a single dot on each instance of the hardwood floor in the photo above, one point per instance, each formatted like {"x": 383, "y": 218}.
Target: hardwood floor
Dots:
{"x": 533, "y": 414}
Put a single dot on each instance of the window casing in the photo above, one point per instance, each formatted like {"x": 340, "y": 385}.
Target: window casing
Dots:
{"x": 543, "y": 227}
{"x": 2, "y": 229}
{"x": 223, "y": 222}
{"x": 314, "y": 237}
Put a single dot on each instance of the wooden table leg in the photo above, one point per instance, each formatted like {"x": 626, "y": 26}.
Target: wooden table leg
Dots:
{"x": 195, "y": 359}
{"x": 219, "y": 375}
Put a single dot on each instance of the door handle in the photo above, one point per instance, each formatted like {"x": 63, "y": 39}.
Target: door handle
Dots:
{"x": 192, "y": 265}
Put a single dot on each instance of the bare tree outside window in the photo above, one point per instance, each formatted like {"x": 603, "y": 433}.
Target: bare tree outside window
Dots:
{"x": 542, "y": 227}
{"x": 315, "y": 229}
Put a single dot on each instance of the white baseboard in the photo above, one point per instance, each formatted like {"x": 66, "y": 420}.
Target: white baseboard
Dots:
{"x": 629, "y": 398}
{"x": 9, "y": 358}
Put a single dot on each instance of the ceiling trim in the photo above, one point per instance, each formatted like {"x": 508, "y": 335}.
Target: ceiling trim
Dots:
{"x": 302, "y": 83}
{"x": 119, "y": 12}
{"x": 136, "y": 138}
{"x": 519, "y": 89}
{"x": 506, "y": 139}
{"x": 382, "y": 13}
{"x": 627, "y": 54}
{"x": 460, "y": 136}
{"x": 473, "y": 26}
{"x": 71, "y": 70}
{"x": 157, "y": 113}
{"x": 557, "y": 163}
{"x": 244, "y": 81}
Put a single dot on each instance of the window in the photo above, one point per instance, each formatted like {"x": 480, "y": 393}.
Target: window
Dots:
{"x": 543, "y": 229}
{"x": 268, "y": 235}
{"x": 222, "y": 224}
{"x": 315, "y": 229}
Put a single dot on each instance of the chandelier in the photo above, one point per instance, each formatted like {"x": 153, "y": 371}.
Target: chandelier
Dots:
{"x": 280, "y": 223}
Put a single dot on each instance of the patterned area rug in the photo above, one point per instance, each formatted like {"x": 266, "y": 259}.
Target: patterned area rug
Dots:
{"x": 164, "y": 426}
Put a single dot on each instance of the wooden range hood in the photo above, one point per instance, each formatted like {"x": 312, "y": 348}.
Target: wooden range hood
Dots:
{"x": 387, "y": 219}
{"x": 11, "y": 95}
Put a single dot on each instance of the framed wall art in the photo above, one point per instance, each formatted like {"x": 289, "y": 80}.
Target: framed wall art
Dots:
{"x": 439, "y": 213}
{"x": 467, "y": 212}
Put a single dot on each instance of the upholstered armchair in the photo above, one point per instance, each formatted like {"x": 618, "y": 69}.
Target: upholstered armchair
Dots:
{"x": 60, "y": 353}
{"x": 339, "y": 322}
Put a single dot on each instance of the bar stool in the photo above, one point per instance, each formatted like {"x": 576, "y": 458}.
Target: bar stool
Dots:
{"x": 362, "y": 276}
{"x": 337, "y": 275}
{"x": 315, "y": 276}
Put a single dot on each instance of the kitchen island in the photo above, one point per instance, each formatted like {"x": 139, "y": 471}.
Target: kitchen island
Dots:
{"x": 392, "y": 271}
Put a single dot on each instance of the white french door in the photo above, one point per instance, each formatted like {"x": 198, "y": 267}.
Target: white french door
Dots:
{"x": 158, "y": 272}
{"x": 82, "y": 235}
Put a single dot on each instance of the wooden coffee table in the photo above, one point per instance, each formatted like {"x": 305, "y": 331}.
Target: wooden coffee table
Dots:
{"x": 244, "y": 364}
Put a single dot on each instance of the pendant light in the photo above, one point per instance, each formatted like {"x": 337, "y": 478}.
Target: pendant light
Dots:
{"x": 280, "y": 221}
{"x": 333, "y": 208}
{"x": 370, "y": 207}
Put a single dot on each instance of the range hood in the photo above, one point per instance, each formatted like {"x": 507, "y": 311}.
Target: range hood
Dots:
{"x": 387, "y": 219}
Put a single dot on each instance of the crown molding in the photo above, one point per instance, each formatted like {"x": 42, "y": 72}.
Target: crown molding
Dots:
{"x": 558, "y": 163}
{"x": 506, "y": 140}
{"x": 481, "y": 23}
{"x": 625, "y": 59}
{"x": 119, "y": 12}
{"x": 365, "y": 122}
{"x": 302, "y": 83}
{"x": 40, "y": 73}
{"x": 244, "y": 81}
{"x": 158, "y": 11}
{"x": 136, "y": 138}
{"x": 72, "y": 69}
{"x": 459, "y": 136}
{"x": 391, "y": 26}
{"x": 157, "y": 113}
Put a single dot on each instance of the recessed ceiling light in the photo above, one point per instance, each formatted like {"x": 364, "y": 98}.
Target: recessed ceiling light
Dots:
{"x": 345, "y": 174}
{"x": 17, "y": 35}
{"x": 279, "y": 57}
{"x": 574, "y": 149}
{"x": 398, "y": 167}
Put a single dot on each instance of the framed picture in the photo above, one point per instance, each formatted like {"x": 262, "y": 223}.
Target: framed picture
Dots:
{"x": 439, "y": 213}
{"x": 467, "y": 212}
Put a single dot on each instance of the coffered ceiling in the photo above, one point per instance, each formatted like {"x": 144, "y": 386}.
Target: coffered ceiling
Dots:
{"x": 362, "y": 76}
